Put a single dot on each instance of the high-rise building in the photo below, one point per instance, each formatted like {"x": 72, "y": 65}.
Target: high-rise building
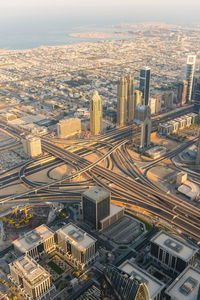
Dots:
{"x": 76, "y": 244}
{"x": 138, "y": 97}
{"x": 34, "y": 280}
{"x": 96, "y": 205}
{"x": 96, "y": 114}
{"x": 182, "y": 92}
{"x": 145, "y": 76}
{"x": 143, "y": 120}
{"x": 32, "y": 146}
{"x": 158, "y": 103}
{"x": 197, "y": 96}
{"x": 191, "y": 59}
{"x": 68, "y": 127}
{"x": 169, "y": 99}
{"x": 124, "y": 285}
{"x": 125, "y": 100}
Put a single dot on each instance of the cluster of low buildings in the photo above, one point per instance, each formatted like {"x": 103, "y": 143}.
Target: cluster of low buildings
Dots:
{"x": 177, "y": 124}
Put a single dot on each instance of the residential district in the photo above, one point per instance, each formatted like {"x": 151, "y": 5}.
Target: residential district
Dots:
{"x": 100, "y": 159}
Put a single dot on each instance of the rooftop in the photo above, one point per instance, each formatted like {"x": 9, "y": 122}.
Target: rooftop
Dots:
{"x": 154, "y": 285}
{"x": 31, "y": 271}
{"x": 76, "y": 236}
{"x": 96, "y": 193}
{"x": 29, "y": 240}
{"x": 114, "y": 209}
{"x": 174, "y": 245}
{"x": 186, "y": 285}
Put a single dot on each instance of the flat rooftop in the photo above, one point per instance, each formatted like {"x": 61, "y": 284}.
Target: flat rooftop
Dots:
{"x": 96, "y": 193}
{"x": 174, "y": 245}
{"x": 76, "y": 236}
{"x": 186, "y": 285}
{"x": 114, "y": 209}
{"x": 154, "y": 285}
{"x": 33, "y": 237}
{"x": 31, "y": 271}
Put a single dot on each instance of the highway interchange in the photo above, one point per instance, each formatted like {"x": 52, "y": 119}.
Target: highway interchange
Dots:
{"x": 129, "y": 187}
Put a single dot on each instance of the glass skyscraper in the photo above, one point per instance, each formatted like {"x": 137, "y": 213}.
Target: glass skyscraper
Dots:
{"x": 191, "y": 59}
{"x": 145, "y": 76}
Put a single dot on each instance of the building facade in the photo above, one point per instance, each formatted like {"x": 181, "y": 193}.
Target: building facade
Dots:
{"x": 143, "y": 120}
{"x": 125, "y": 286}
{"x": 145, "y": 77}
{"x": 96, "y": 205}
{"x": 35, "y": 243}
{"x": 68, "y": 127}
{"x": 96, "y": 114}
{"x": 182, "y": 92}
{"x": 77, "y": 245}
{"x": 32, "y": 146}
{"x": 172, "y": 253}
{"x": 34, "y": 281}
{"x": 190, "y": 67}
{"x": 126, "y": 101}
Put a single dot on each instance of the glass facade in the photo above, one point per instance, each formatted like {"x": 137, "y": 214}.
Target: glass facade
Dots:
{"x": 145, "y": 76}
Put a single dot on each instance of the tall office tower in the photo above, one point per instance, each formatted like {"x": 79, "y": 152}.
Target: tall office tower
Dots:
{"x": 197, "y": 97}
{"x": 158, "y": 103}
{"x": 145, "y": 76}
{"x": 130, "y": 99}
{"x": 169, "y": 99}
{"x": 191, "y": 59}
{"x": 124, "y": 285}
{"x": 182, "y": 92}
{"x": 198, "y": 154}
{"x": 143, "y": 119}
{"x": 96, "y": 205}
{"x": 125, "y": 100}
{"x": 32, "y": 146}
{"x": 122, "y": 101}
{"x": 138, "y": 97}
{"x": 96, "y": 114}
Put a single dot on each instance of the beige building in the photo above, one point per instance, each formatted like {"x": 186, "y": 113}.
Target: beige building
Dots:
{"x": 68, "y": 127}
{"x": 158, "y": 103}
{"x": 33, "y": 280}
{"x": 182, "y": 92}
{"x": 35, "y": 243}
{"x": 96, "y": 114}
{"x": 78, "y": 246}
{"x": 138, "y": 97}
{"x": 126, "y": 100}
{"x": 32, "y": 146}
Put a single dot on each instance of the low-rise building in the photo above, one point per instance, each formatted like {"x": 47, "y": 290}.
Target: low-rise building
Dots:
{"x": 116, "y": 212}
{"x": 186, "y": 286}
{"x": 172, "y": 253}
{"x": 32, "y": 146}
{"x": 33, "y": 280}
{"x": 78, "y": 246}
{"x": 35, "y": 243}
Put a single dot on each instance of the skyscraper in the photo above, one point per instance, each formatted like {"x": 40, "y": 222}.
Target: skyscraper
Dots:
{"x": 125, "y": 100}
{"x": 191, "y": 59}
{"x": 145, "y": 76}
{"x": 143, "y": 119}
{"x": 96, "y": 114}
{"x": 122, "y": 101}
{"x": 182, "y": 92}
{"x": 138, "y": 97}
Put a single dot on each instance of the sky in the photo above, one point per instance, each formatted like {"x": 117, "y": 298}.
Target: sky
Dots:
{"x": 95, "y": 9}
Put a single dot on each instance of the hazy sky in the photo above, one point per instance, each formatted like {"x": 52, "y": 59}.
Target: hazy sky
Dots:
{"x": 101, "y": 8}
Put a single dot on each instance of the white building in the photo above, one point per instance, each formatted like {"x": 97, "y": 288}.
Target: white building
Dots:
{"x": 68, "y": 127}
{"x": 32, "y": 146}
{"x": 186, "y": 285}
{"x": 172, "y": 253}
{"x": 35, "y": 243}
{"x": 33, "y": 280}
{"x": 76, "y": 244}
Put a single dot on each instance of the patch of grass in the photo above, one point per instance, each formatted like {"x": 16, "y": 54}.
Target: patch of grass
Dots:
{"x": 55, "y": 267}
